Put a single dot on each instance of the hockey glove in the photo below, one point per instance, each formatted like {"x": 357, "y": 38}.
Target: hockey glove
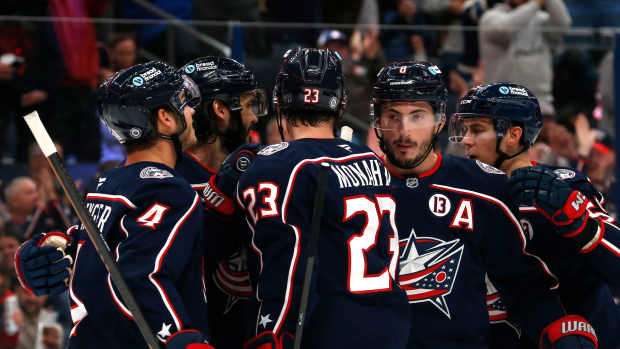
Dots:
{"x": 571, "y": 331}
{"x": 187, "y": 339}
{"x": 268, "y": 340}
{"x": 42, "y": 265}
{"x": 221, "y": 188}
{"x": 558, "y": 201}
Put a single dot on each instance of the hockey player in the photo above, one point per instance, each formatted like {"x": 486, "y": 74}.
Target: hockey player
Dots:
{"x": 354, "y": 301}
{"x": 456, "y": 227}
{"x": 149, "y": 216}
{"x": 560, "y": 210}
{"x": 231, "y": 105}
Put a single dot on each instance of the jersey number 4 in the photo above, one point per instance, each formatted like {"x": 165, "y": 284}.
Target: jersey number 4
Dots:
{"x": 359, "y": 281}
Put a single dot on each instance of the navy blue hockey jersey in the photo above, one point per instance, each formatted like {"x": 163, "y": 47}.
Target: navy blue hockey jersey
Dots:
{"x": 231, "y": 315}
{"x": 354, "y": 300}
{"x": 455, "y": 229}
{"x": 152, "y": 222}
{"x": 583, "y": 290}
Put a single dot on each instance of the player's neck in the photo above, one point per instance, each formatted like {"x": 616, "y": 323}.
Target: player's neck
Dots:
{"x": 322, "y": 130}
{"x": 162, "y": 152}
{"x": 521, "y": 160}
{"x": 210, "y": 154}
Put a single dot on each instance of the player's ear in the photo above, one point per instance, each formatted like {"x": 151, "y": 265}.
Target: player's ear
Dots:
{"x": 166, "y": 121}
{"x": 219, "y": 110}
{"x": 514, "y": 135}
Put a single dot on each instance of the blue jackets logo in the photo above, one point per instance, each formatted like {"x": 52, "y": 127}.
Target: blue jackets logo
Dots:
{"x": 428, "y": 268}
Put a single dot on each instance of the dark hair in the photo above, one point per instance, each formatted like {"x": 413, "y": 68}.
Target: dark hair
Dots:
{"x": 119, "y": 37}
{"x": 309, "y": 117}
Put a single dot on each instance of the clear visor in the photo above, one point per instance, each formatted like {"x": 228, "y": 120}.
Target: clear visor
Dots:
{"x": 188, "y": 95}
{"x": 471, "y": 127}
{"x": 254, "y": 100}
{"x": 394, "y": 117}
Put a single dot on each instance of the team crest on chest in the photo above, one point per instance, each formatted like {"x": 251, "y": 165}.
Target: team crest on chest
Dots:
{"x": 488, "y": 168}
{"x": 154, "y": 172}
{"x": 274, "y": 148}
{"x": 428, "y": 268}
{"x": 564, "y": 173}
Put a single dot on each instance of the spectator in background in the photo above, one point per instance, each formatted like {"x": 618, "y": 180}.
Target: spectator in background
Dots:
{"x": 514, "y": 47}
{"x": 11, "y": 318}
{"x": 8, "y": 246}
{"x": 28, "y": 214}
{"x": 401, "y": 44}
{"x": 154, "y": 37}
{"x": 73, "y": 125}
{"x": 362, "y": 58}
{"x": 33, "y": 314}
{"x": 30, "y": 71}
{"x": 121, "y": 52}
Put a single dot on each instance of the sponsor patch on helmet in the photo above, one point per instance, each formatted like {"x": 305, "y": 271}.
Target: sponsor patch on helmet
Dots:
{"x": 154, "y": 172}
{"x": 135, "y": 132}
{"x": 151, "y": 73}
{"x": 137, "y": 81}
{"x": 433, "y": 69}
{"x": 488, "y": 168}
{"x": 504, "y": 90}
{"x": 206, "y": 66}
{"x": 564, "y": 173}
{"x": 190, "y": 69}
{"x": 274, "y": 148}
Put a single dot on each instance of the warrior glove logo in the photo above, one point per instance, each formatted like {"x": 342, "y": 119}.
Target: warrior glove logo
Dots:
{"x": 428, "y": 268}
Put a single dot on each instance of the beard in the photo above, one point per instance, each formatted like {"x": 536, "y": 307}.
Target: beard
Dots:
{"x": 236, "y": 134}
{"x": 424, "y": 148}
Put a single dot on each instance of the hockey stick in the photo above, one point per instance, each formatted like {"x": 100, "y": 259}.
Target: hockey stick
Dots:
{"x": 49, "y": 150}
{"x": 312, "y": 249}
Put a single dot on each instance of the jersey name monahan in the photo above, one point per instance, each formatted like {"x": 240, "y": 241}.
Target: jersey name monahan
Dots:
{"x": 361, "y": 173}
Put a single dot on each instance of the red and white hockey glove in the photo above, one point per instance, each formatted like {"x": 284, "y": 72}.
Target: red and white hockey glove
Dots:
{"x": 571, "y": 331}
{"x": 267, "y": 340}
{"x": 220, "y": 189}
{"x": 187, "y": 339}
{"x": 564, "y": 206}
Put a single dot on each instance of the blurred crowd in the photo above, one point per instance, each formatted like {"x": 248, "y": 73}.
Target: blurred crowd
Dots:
{"x": 54, "y": 66}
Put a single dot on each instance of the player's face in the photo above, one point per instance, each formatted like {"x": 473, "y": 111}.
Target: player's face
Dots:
{"x": 188, "y": 137}
{"x": 480, "y": 139}
{"x": 248, "y": 115}
{"x": 407, "y": 130}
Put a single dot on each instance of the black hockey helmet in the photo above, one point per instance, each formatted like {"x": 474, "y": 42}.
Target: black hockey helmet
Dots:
{"x": 507, "y": 104}
{"x": 310, "y": 80}
{"x": 409, "y": 81}
{"x": 127, "y": 101}
{"x": 227, "y": 80}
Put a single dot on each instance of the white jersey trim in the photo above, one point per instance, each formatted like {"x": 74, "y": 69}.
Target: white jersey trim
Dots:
{"x": 293, "y": 263}
{"x": 160, "y": 257}
{"x": 514, "y": 220}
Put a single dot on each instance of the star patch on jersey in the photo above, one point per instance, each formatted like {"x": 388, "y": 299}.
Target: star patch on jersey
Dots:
{"x": 564, "y": 173}
{"x": 488, "y": 168}
{"x": 274, "y": 148}
{"x": 154, "y": 172}
{"x": 428, "y": 269}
